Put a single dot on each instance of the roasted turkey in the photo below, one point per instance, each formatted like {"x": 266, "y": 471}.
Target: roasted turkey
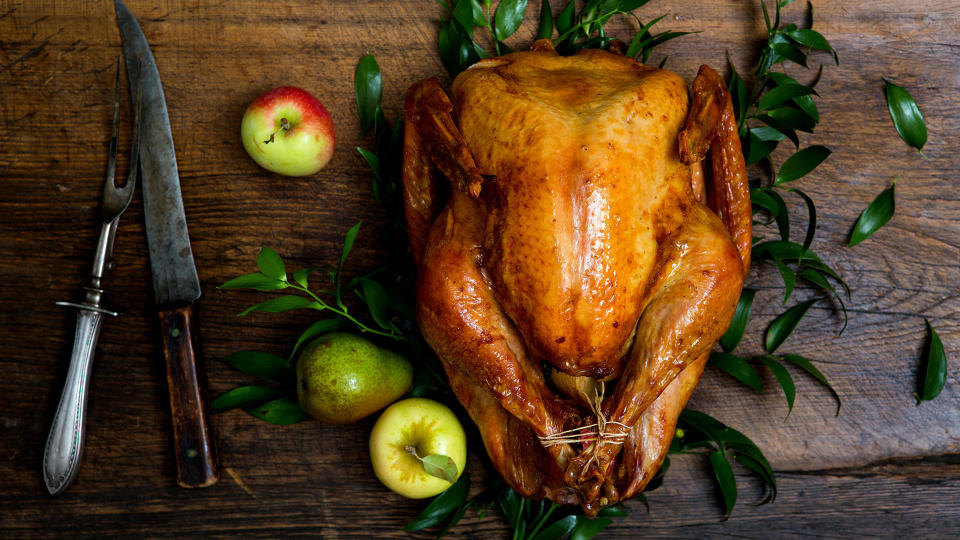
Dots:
{"x": 576, "y": 261}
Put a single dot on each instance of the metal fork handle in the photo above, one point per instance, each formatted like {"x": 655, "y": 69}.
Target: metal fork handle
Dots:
{"x": 61, "y": 457}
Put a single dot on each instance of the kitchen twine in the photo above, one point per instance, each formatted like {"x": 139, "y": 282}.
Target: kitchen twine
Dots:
{"x": 585, "y": 434}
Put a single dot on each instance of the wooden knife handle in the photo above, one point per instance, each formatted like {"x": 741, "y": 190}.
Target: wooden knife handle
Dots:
{"x": 190, "y": 410}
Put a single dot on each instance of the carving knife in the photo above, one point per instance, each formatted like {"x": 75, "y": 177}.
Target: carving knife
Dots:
{"x": 175, "y": 282}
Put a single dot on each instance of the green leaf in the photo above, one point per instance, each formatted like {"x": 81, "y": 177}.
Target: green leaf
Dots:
{"x": 795, "y": 118}
{"x": 723, "y": 474}
{"x": 731, "y": 338}
{"x": 767, "y": 134}
{"x": 789, "y": 52}
{"x": 457, "y": 48}
{"x": 268, "y": 367}
{"x": 808, "y": 106}
{"x": 642, "y": 38}
{"x": 783, "y": 93}
{"x": 780, "y": 126}
{"x": 376, "y": 299}
{"x": 545, "y": 31}
{"x": 565, "y": 19}
{"x": 369, "y": 91}
{"x": 764, "y": 472}
{"x": 773, "y": 203}
{"x": 784, "y": 251}
{"x": 874, "y": 216}
{"x": 738, "y": 93}
{"x": 810, "y": 38}
{"x": 811, "y": 217}
{"x": 315, "y": 329}
{"x": 784, "y": 325}
{"x": 371, "y": 159}
{"x": 558, "y": 529}
{"x": 348, "y": 242}
{"x": 510, "y": 503}
{"x": 440, "y": 466}
{"x": 789, "y": 279}
{"x": 814, "y": 40}
{"x": 801, "y": 163}
{"x": 300, "y": 276}
{"x": 786, "y": 381}
{"x": 804, "y": 102}
{"x": 658, "y": 40}
{"x": 618, "y": 510}
{"x": 812, "y": 370}
{"x": 905, "y": 115}
{"x": 819, "y": 279}
{"x": 271, "y": 265}
{"x": 934, "y": 368}
{"x": 758, "y": 149}
{"x": 738, "y": 368}
{"x": 281, "y": 304}
{"x": 508, "y": 17}
{"x": 255, "y": 281}
{"x": 283, "y": 411}
{"x": 243, "y": 396}
{"x": 442, "y": 506}
{"x": 374, "y": 162}
{"x": 469, "y": 13}
{"x": 458, "y": 515}
{"x": 588, "y": 528}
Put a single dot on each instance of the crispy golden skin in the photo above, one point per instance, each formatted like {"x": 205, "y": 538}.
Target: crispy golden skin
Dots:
{"x": 576, "y": 235}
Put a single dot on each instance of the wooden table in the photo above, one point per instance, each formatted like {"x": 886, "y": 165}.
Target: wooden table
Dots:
{"x": 884, "y": 467}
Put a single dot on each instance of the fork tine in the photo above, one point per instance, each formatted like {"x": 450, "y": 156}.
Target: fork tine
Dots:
{"x": 114, "y": 135}
{"x": 134, "y": 173}
{"x": 117, "y": 198}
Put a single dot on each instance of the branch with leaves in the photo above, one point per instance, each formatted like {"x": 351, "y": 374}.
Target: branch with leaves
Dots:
{"x": 775, "y": 108}
{"x": 576, "y": 29}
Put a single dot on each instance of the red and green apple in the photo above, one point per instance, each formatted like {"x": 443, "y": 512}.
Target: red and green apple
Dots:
{"x": 288, "y": 131}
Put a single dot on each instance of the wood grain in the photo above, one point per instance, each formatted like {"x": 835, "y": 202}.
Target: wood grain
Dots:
{"x": 884, "y": 467}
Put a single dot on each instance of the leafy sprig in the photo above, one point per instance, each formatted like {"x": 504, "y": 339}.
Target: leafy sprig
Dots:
{"x": 774, "y": 109}
{"x": 575, "y": 29}
{"x": 583, "y": 29}
{"x": 744, "y": 369}
{"x": 699, "y": 433}
{"x": 272, "y": 276}
{"x": 777, "y": 107}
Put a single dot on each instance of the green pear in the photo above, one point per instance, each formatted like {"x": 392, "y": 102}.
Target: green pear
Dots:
{"x": 342, "y": 378}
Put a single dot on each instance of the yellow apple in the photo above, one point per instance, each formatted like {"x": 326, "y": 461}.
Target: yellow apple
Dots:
{"x": 421, "y": 425}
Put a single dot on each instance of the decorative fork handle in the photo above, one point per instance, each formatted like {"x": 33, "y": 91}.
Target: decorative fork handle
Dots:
{"x": 61, "y": 457}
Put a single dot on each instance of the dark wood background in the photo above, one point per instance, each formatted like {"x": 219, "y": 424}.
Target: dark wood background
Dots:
{"x": 884, "y": 467}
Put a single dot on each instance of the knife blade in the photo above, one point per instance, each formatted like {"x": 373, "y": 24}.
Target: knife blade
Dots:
{"x": 175, "y": 282}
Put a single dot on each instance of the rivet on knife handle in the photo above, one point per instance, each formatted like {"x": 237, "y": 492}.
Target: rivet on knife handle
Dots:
{"x": 190, "y": 410}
